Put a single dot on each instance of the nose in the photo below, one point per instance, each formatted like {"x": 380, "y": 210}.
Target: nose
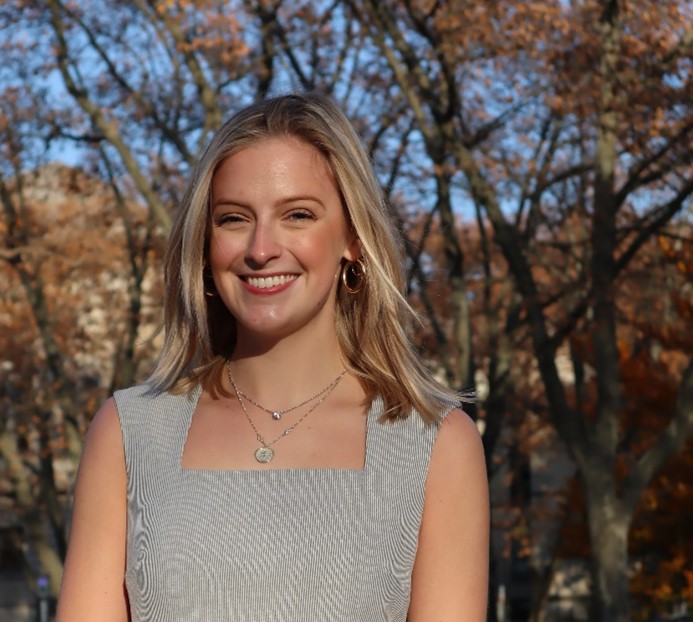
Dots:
{"x": 263, "y": 244}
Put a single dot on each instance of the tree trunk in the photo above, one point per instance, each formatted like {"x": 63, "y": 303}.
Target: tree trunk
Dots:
{"x": 541, "y": 584}
{"x": 609, "y": 525}
{"x": 454, "y": 258}
{"x": 35, "y": 522}
{"x": 50, "y": 564}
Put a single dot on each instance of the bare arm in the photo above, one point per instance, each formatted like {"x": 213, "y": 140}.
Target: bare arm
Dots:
{"x": 93, "y": 585}
{"x": 450, "y": 577}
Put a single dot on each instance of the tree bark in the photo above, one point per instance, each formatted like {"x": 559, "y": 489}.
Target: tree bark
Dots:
{"x": 461, "y": 314}
{"x": 36, "y": 527}
{"x": 609, "y": 525}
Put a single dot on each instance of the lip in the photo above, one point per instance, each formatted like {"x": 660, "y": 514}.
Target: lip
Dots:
{"x": 267, "y": 283}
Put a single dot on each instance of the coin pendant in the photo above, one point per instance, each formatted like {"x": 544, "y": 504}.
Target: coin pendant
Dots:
{"x": 276, "y": 415}
{"x": 264, "y": 454}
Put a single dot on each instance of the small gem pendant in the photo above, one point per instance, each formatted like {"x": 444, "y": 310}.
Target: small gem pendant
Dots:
{"x": 276, "y": 415}
{"x": 264, "y": 454}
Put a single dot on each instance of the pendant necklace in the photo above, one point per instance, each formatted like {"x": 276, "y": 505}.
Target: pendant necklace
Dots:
{"x": 276, "y": 413}
{"x": 265, "y": 453}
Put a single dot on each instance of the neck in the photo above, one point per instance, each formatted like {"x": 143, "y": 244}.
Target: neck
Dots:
{"x": 287, "y": 370}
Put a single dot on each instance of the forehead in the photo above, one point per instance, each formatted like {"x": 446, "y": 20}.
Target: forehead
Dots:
{"x": 279, "y": 163}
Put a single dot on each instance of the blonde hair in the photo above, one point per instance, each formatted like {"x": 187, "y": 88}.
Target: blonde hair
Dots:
{"x": 371, "y": 325}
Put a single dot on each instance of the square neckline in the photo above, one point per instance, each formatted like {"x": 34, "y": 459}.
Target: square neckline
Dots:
{"x": 191, "y": 406}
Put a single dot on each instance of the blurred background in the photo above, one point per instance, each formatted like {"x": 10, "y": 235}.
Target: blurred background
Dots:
{"x": 537, "y": 157}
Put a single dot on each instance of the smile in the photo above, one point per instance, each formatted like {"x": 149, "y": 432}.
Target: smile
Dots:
{"x": 265, "y": 282}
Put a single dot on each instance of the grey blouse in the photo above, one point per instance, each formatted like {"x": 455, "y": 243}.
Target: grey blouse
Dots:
{"x": 295, "y": 545}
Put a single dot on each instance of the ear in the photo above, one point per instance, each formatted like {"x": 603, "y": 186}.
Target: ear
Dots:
{"x": 353, "y": 249}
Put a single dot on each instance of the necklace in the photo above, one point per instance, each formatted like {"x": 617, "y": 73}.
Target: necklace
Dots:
{"x": 265, "y": 453}
{"x": 277, "y": 414}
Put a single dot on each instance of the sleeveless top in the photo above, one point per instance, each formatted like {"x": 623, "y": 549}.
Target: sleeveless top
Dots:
{"x": 265, "y": 545}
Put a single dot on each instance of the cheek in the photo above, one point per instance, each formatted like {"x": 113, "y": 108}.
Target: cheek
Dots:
{"x": 325, "y": 249}
{"x": 221, "y": 252}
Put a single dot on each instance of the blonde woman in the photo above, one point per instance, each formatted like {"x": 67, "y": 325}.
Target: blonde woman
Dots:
{"x": 289, "y": 458}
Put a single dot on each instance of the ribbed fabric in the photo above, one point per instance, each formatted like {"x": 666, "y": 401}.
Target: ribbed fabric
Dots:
{"x": 265, "y": 545}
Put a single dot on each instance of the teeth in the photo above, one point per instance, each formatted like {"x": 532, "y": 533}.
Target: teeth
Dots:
{"x": 269, "y": 281}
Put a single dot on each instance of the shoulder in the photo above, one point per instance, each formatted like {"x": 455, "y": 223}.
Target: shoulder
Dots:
{"x": 144, "y": 402}
{"x": 139, "y": 392}
{"x": 102, "y": 466}
{"x": 149, "y": 394}
{"x": 104, "y": 434}
{"x": 103, "y": 454}
{"x": 458, "y": 442}
{"x": 92, "y": 585}
{"x": 457, "y": 467}
{"x": 450, "y": 573}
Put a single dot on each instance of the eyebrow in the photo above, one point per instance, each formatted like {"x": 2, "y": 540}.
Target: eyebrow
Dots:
{"x": 285, "y": 201}
{"x": 220, "y": 202}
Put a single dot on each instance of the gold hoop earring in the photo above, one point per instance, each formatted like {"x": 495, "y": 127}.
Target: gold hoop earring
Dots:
{"x": 208, "y": 286}
{"x": 354, "y": 276}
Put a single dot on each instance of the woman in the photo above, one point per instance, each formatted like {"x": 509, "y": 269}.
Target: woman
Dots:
{"x": 289, "y": 458}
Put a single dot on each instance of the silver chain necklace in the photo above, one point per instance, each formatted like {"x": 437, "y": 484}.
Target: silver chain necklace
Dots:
{"x": 265, "y": 453}
{"x": 276, "y": 413}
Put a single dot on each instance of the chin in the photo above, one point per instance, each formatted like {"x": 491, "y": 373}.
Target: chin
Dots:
{"x": 271, "y": 328}
{"x": 275, "y": 329}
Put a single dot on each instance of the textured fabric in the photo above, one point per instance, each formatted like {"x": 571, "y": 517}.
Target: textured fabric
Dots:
{"x": 295, "y": 545}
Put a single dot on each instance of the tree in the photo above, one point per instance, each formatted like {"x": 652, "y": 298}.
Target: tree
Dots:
{"x": 661, "y": 342}
{"x": 62, "y": 265}
{"x": 530, "y": 152}
{"x": 133, "y": 91}
{"x": 590, "y": 115}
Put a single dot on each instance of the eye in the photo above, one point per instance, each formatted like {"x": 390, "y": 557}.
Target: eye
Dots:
{"x": 299, "y": 215}
{"x": 228, "y": 218}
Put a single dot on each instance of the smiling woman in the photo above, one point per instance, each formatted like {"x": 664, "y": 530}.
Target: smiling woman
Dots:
{"x": 278, "y": 238}
{"x": 290, "y": 458}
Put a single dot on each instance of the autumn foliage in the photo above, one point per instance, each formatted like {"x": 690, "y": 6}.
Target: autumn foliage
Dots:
{"x": 537, "y": 157}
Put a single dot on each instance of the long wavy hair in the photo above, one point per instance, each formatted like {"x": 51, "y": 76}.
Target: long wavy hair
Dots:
{"x": 372, "y": 324}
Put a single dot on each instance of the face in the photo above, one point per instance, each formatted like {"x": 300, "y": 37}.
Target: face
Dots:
{"x": 278, "y": 236}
